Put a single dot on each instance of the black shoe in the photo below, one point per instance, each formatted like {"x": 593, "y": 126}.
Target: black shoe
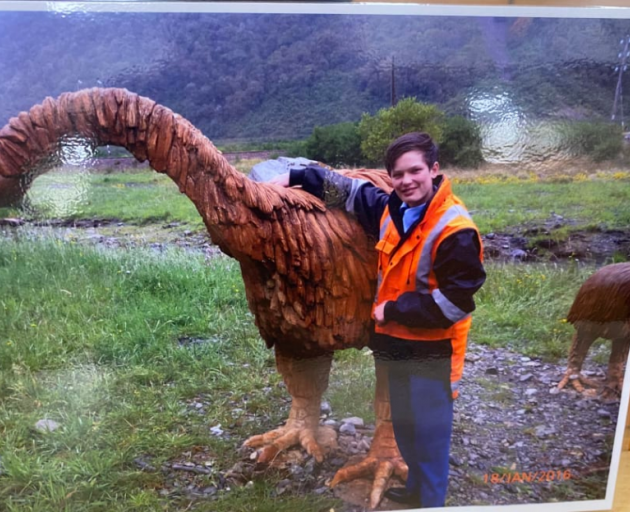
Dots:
{"x": 402, "y": 495}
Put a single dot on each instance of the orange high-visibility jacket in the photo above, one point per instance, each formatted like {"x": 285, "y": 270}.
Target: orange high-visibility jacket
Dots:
{"x": 409, "y": 268}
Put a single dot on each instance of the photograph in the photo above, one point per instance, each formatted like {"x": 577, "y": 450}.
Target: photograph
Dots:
{"x": 327, "y": 257}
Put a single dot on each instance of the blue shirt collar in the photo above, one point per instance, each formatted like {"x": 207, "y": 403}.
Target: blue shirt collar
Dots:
{"x": 411, "y": 214}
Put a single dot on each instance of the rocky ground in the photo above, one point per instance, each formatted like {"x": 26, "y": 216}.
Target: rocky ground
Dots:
{"x": 509, "y": 419}
{"x": 539, "y": 243}
{"x": 113, "y": 234}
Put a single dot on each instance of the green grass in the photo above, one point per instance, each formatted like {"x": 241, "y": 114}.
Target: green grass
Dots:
{"x": 91, "y": 340}
{"x": 524, "y": 307}
{"x": 351, "y": 385}
{"x": 138, "y": 197}
{"x": 144, "y": 197}
{"x": 500, "y": 207}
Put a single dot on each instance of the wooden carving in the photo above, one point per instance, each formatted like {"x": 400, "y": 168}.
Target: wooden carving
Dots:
{"x": 309, "y": 272}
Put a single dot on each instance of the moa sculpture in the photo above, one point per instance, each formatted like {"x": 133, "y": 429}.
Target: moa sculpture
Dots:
{"x": 601, "y": 309}
{"x": 309, "y": 272}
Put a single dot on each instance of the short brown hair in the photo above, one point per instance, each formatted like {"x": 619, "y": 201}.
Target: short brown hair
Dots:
{"x": 413, "y": 141}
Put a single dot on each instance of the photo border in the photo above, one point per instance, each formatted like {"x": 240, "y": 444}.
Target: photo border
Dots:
{"x": 390, "y": 9}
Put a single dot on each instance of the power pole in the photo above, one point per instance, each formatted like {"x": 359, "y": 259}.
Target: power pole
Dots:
{"x": 618, "y": 103}
{"x": 394, "y": 99}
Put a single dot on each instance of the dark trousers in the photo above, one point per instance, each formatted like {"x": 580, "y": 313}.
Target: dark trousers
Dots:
{"x": 422, "y": 411}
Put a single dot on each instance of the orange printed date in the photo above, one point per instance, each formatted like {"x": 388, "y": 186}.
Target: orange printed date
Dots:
{"x": 553, "y": 475}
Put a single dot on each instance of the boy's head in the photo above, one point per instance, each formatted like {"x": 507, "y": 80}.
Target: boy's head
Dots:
{"x": 414, "y": 141}
{"x": 411, "y": 162}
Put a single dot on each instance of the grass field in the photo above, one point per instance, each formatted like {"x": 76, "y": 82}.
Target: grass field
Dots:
{"x": 499, "y": 202}
{"x": 97, "y": 342}
{"x": 116, "y": 345}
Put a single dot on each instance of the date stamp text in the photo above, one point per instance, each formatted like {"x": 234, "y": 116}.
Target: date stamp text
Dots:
{"x": 510, "y": 477}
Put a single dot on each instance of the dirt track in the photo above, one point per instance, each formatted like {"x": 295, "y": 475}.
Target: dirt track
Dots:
{"x": 525, "y": 244}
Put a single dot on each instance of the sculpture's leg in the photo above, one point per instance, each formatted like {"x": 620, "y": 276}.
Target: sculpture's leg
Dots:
{"x": 383, "y": 460}
{"x": 306, "y": 379}
{"x": 618, "y": 358}
{"x": 582, "y": 341}
{"x": 12, "y": 191}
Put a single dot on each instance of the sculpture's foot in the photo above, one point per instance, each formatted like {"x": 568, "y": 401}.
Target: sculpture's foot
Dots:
{"x": 317, "y": 441}
{"x": 306, "y": 380}
{"x": 614, "y": 380}
{"x": 381, "y": 463}
{"x": 611, "y": 391}
{"x": 578, "y": 381}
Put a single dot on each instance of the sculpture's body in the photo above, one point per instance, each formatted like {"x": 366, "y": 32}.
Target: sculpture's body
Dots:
{"x": 309, "y": 272}
{"x": 601, "y": 309}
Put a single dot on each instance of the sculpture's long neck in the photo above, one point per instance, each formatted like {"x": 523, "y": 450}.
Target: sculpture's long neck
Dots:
{"x": 150, "y": 132}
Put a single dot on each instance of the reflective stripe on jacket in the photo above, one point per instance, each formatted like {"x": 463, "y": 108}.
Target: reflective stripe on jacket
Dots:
{"x": 408, "y": 266}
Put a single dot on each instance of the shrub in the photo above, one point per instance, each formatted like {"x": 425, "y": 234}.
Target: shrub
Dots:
{"x": 597, "y": 140}
{"x": 336, "y": 145}
{"x": 409, "y": 115}
{"x": 296, "y": 148}
{"x": 461, "y": 144}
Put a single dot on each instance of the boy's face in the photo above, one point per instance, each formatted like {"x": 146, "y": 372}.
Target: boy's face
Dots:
{"x": 412, "y": 179}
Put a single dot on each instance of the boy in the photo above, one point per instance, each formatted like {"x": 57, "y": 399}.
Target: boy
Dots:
{"x": 429, "y": 266}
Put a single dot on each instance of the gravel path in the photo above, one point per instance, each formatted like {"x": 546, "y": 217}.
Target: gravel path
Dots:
{"x": 509, "y": 420}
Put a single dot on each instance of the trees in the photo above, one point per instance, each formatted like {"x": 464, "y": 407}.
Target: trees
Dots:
{"x": 598, "y": 140}
{"x": 352, "y": 144}
{"x": 337, "y": 145}
{"x": 461, "y": 143}
{"x": 407, "y": 116}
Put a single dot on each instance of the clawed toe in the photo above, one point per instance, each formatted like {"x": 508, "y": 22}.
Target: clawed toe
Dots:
{"x": 610, "y": 393}
{"x": 316, "y": 442}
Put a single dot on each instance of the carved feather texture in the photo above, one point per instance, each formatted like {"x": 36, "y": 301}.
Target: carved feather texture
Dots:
{"x": 604, "y": 297}
{"x": 309, "y": 272}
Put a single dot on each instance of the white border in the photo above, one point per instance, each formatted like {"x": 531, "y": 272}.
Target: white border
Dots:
{"x": 67, "y": 8}
{"x": 400, "y": 9}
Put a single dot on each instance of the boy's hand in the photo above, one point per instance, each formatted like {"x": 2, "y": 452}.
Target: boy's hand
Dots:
{"x": 379, "y": 314}
{"x": 281, "y": 179}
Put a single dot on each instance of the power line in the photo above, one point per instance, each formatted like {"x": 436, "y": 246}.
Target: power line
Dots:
{"x": 393, "y": 81}
{"x": 618, "y": 102}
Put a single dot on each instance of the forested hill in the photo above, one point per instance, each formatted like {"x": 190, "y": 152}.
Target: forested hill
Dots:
{"x": 263, "y": 76}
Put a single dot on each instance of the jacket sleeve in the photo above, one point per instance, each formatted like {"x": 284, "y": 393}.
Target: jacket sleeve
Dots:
{"x": 359, "y": 197}
{"x": 459, "y": 273}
